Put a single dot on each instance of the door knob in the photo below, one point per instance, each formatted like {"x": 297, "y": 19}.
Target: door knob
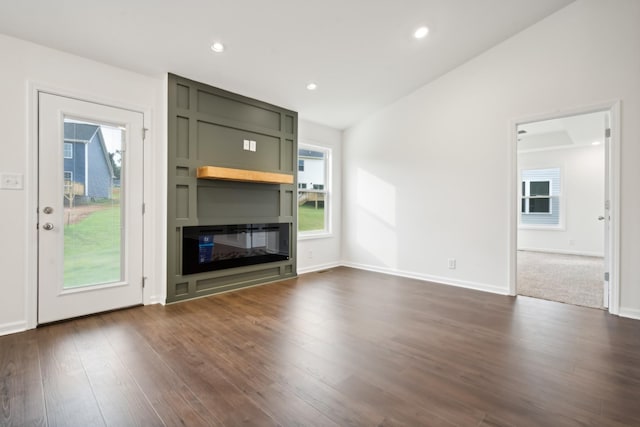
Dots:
{"x": 48, "y": 210}
{"x": 47, "y": 226}
{"x": 600, "y": 218}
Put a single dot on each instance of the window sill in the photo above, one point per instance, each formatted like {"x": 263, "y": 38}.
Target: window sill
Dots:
{"x": 542, "y": 227}
{"x": 314, "y": 235}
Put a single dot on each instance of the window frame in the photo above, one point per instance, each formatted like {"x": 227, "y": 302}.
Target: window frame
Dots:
{"x": 326, "y": 191}
{"x": 526, "y": 197}
{"x": 64, "y": 150}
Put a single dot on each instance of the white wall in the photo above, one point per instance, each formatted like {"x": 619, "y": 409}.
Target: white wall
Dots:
{"x": 427, "y": 178}
{"x": 28, "y": 64}
{"x": 318, "y": 253}
{"x": 582, "y": 201}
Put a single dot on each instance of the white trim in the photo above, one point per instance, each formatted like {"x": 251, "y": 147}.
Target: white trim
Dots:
{"x": 31, "y": 196}
{"x": 541, "y": 227}
{"x": 33, "y": 88}
{"x": 429, "y": 278}
{"x": 631, "y": 313}
{"x": 319, "y": 267}
{"x": 86, "y": 170}
{"x": 614, "y": 198}
{"x": 555, "y": 148}
{"x": 13, "y": 327}
{"x": 327, "y": 191}
{"x": 154, "y": 299}
{"x": 562, "y": 251}
{"x": 614, "y": 184}
{"x": 311, "y": 235}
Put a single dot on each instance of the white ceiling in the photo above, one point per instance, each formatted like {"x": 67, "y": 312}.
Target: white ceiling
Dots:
{"x": 361, "y": 53}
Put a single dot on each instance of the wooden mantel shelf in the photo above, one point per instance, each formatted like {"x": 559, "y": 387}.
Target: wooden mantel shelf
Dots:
{"x": 228, "y": 174}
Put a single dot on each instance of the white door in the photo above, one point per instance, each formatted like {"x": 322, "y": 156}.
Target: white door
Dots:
{"x": 89, "y": 208}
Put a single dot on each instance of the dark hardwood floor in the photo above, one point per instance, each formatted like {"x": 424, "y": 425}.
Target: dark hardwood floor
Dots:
{"x": 340, "y": 348}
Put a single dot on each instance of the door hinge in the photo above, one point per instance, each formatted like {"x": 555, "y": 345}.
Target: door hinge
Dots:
{"x": 606, "y": 276}
{"x": 607, "y": 133}
{"x": 144, "y": 133}
{"x": 607, "y": 204}
{"x": 144, "y": 208}
{"x": 144, "y": 281}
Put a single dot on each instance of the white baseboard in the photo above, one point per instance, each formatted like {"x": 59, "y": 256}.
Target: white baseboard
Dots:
{"x": 563, "y": 252}
{"x": 154, "y": 299}
{"x": 320, "y": 267}
{"x": 13, "y": 327}
{"x": 631, "y": 313}
{"x": 429, "y": 278}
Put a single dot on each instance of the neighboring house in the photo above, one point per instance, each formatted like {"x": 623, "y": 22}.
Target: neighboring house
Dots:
{"x": 311, "y": 169}
{"x": 88, "y": 174}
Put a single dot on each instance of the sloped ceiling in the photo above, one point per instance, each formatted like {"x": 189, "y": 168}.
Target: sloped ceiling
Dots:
{"x": 361, "y": 53}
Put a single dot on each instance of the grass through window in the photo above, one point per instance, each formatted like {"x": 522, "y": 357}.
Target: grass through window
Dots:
{"x": 310, "y": 218}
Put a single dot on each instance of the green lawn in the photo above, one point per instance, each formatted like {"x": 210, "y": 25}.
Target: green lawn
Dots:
{"x": 310, "y": 218}
{"x": 92, "y": 249}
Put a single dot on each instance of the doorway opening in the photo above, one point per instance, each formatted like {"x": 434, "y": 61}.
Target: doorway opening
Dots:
{"x": 563, "y": 236}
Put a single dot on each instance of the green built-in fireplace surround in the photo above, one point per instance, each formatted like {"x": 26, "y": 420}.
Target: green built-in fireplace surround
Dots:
{"x": 211, "y": 127}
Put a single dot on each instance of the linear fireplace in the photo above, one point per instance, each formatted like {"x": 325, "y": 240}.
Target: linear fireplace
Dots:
{"x": 217, "y": 247}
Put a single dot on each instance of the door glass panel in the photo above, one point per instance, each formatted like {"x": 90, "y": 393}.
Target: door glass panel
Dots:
{"x": 93, "y": 250}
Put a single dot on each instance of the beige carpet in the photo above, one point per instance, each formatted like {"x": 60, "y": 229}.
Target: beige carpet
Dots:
{"x": 571, "y": 279}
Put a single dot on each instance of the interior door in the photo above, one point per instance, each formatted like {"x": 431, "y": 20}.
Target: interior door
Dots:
{"x": 89, "y": 209}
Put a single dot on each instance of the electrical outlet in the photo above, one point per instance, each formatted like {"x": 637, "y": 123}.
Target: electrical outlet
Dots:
{"x": 452, "y": 263}
{"x": 572, "y": 242}
{"x": 252, "y": 145}
{"x": 310, "y": 254}
{"x": 11, "y": 181}
{"x": 246, "y": 144}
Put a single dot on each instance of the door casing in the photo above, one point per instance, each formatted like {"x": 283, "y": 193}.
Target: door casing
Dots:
{"x": 31, "y": 189}
{"x": 613, "y": 187}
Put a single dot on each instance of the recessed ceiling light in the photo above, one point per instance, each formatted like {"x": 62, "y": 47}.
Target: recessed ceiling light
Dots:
{"x": 595, "y": 143}
{"x": 421, "y": 33}
{"x": 217, "y": 47}
{"x": 312, "y": 86}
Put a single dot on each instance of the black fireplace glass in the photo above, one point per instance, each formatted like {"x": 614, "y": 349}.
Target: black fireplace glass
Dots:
{"x": 217, "y": 247}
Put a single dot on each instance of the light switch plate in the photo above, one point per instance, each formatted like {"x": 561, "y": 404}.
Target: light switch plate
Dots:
{"x": 246, "y": 144}
{"x": 11, "y": 181}
{"x": 253, "y": 145}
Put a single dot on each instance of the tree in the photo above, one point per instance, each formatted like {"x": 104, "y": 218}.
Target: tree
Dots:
{"x": 115, "y": 163}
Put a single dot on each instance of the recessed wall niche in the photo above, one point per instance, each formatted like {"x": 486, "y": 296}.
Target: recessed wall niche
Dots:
{"x": 208, "y": 126}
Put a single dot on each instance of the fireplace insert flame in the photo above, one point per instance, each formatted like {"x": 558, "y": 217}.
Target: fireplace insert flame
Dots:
{"x": 217, "y": 247}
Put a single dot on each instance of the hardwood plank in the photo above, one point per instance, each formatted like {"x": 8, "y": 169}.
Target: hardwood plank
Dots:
{"x": 121, "y": 401}
{"x": 21, "y": 394}
{"x": 171, "y": 398}
{"x": 341, "y": 348}
{"x": 183, "y": 353}
{"x": 67, "y": 391}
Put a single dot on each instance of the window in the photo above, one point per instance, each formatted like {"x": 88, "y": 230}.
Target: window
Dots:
{"x": 313, "y": 190}
{"x": 536, "y": 197}
{"x": 68, "y": 150}
{"x": 540, "y": 198}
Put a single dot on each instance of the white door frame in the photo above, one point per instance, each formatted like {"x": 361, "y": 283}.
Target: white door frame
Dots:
{"x": 613, "y": 179}
{"x": 31, "y": 187}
